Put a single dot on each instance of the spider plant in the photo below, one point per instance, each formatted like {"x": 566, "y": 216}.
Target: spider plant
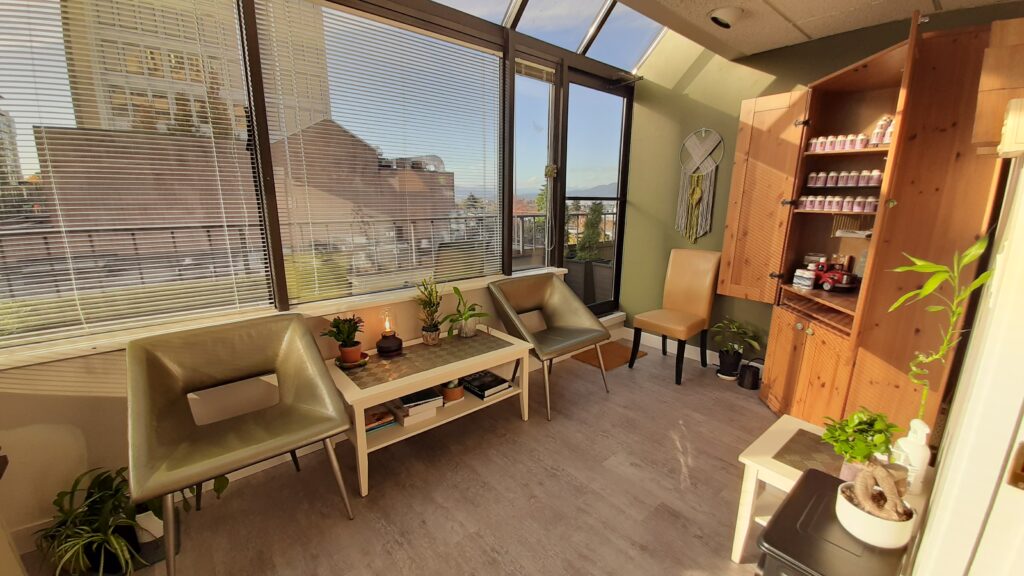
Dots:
{"x": 94, "y": 527}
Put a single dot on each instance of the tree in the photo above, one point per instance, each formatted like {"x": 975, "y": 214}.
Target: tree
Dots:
{"x": 588, "y": 244}
{"x": 472, "y": 203}
{"x": 541, "y": 200}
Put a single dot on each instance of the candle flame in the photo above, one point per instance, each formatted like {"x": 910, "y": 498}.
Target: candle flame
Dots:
{"x": 387, "y": 324}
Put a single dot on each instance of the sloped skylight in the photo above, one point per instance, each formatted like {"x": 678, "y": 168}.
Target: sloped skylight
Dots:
{"x": 560, "y": 22}
{"x": 625, "y": 38}
{"x": 493, "y": 10}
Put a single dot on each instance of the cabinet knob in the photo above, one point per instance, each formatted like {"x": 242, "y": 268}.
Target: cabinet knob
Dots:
{"x": 799, "y": 326}
{"x": 891, "y": 203}
{"x": 810, "y": 331}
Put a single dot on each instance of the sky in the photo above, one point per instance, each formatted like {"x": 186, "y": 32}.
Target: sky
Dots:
{"x": 454, "y": 115}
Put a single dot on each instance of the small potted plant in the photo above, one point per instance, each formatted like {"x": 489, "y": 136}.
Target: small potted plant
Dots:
{"x": 344, "y": 330}
{"x": 452, "y": 391}
{"x": 464, "y": 317}
{"x": 733, "y": 338}
{"x": 871, "y": 507}
{"x": 95, "y": 530}
{"x": 429, "y": 301}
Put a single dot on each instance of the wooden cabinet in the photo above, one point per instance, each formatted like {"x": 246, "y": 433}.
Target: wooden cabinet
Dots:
{"x": 768, "y": 148}
{"x": 1002, "y": 80}
{"x": 782, "y": 362}
{"x": 936, "y": 196}
{"x": 807, "y": 369}
{"x": 824, "y": 376}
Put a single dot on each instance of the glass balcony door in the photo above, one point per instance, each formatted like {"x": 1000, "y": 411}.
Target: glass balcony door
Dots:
{"x": 532, "y": 187}
{"x": 594, "y": 194}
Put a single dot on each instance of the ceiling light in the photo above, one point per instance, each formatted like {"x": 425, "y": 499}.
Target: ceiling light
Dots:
{"x": 725, "y": 17}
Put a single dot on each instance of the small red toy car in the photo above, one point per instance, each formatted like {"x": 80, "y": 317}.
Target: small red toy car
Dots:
{"x": 835, "y": 280}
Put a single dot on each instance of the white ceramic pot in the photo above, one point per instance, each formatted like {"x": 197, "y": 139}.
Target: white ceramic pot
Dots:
{"x": 150, "y": 527}
{"x": 872, "y": 529}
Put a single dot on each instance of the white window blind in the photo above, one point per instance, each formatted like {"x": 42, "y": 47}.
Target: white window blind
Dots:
{"x": 131, "y": 199}
{"x": 385, "y": 147}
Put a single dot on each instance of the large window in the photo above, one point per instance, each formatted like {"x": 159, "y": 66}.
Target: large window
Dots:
{"x": 385, "y": 145}
{"x": 149, "y": 174}
{"x": 126, "y": 184}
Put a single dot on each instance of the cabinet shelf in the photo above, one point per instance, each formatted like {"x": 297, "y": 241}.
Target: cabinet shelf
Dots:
{"x": 845, "y": 302}
{"x": 861, "y": 152}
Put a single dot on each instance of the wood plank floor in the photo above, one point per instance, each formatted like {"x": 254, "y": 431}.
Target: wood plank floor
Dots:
{"x": 640, "y": 481}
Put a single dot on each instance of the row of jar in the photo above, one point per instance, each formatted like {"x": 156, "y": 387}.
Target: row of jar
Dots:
{"x": 881, "y": 136}
{"x": 844, "y": 178}
{"x": 838, "y": 203}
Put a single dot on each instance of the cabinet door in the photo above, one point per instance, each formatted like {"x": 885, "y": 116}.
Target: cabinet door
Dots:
{"x": 782, "y": 361}
{"x": 824, "y": 375}
{"x": 768, "y": 147}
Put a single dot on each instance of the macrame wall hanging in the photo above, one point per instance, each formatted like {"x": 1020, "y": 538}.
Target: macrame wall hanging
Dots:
{"x": 699, "y": 156}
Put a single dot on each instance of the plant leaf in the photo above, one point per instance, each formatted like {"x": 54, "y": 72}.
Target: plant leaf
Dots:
{"x": 974, "y": 252}
{"x": 220, "y": 484}
{"x": 933, "y": 283}
{"x": 923, "y": 268}
{"x": 979, "y": 281}
{"x": 903, "y": 299}
{"x": 935, "y": 308}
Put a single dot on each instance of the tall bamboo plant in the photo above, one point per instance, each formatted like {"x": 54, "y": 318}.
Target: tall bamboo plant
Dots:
{"x": 954, "y": 308}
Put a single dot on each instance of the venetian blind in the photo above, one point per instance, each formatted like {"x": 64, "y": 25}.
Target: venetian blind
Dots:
{"x": 385, "y": 147}
{"x": 127, "y": 192}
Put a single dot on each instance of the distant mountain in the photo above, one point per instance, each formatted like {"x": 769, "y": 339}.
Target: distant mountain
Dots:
{"x": 609, "y": 190}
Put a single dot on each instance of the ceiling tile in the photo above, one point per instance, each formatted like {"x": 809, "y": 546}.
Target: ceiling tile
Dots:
{"x": 821, "y": 19}
{"x": 761, "y": 28}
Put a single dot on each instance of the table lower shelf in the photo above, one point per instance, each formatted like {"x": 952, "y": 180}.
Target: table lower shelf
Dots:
{"x": 378, "y": 439}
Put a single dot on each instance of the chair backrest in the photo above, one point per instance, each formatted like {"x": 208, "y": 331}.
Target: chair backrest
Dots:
{"x": 546, "y": 293}
{"x": 690, "y": 281}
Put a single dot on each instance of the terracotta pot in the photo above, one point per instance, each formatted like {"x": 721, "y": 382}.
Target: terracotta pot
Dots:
{"x": 431, "y": 338}
{"x": 351, "y": 354}
{"x": 452, "y": 394}
{"x": 871, "y": 529}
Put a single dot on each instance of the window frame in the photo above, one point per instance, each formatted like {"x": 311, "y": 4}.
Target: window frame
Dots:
{"x": 452, "y": 24}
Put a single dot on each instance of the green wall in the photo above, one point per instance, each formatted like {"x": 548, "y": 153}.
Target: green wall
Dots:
{"x": 685, "y": 88}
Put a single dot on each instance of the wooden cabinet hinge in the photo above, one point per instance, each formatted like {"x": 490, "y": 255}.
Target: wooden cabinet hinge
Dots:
{"x": 802, "y": 122}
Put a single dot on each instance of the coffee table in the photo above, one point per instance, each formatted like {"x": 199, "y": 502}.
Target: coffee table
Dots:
{"x": 421, "y": 367}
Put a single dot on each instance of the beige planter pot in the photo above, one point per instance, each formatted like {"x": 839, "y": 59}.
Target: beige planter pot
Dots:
{"x": 871, "y": 529}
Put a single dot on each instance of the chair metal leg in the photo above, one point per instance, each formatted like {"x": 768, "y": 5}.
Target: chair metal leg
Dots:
{"x": 295, "y": 461}
{"x": 551, "y": 365}
{"x": 704, "y": 348}
{"x": 600, "y": 360}
{"x": 169, "y": 534}
{"x": 680, "y": 350}
{"x": 664, "y": 345}
{"x": 199, "y": 497}
{"x": 636, "y": 346}
{"x": 329, "y": 447}
{"x": 547, "y": 391}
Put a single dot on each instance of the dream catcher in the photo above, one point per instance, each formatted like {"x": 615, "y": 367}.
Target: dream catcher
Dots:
{"x": 699, "y": 157}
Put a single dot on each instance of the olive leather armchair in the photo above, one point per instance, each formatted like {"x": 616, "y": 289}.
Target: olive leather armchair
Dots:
{"x": 169, "y": 452}
{"x": 685, "y": 306}
{"x": 569, "y": 325}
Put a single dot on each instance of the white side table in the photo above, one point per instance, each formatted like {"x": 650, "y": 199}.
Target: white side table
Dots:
{"x": 766, "y": 481}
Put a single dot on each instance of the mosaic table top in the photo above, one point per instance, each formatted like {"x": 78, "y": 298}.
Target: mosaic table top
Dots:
{"x": 805, "y": 450}
{"x": 422, "y": 358}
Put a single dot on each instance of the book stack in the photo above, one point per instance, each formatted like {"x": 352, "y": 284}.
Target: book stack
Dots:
{"x": 378, "y": 417}
{"x": 484, "y": 384}
{"x": 417, "y": 407}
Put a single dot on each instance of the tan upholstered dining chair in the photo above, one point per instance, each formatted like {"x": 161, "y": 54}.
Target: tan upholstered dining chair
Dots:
{"x": 569, "y": 326}
{"x": 685, "y": 305}
{"x": 168, "y": 451}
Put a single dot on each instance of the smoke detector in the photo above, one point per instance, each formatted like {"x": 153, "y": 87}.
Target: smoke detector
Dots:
{"x": 725, "y": 17}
